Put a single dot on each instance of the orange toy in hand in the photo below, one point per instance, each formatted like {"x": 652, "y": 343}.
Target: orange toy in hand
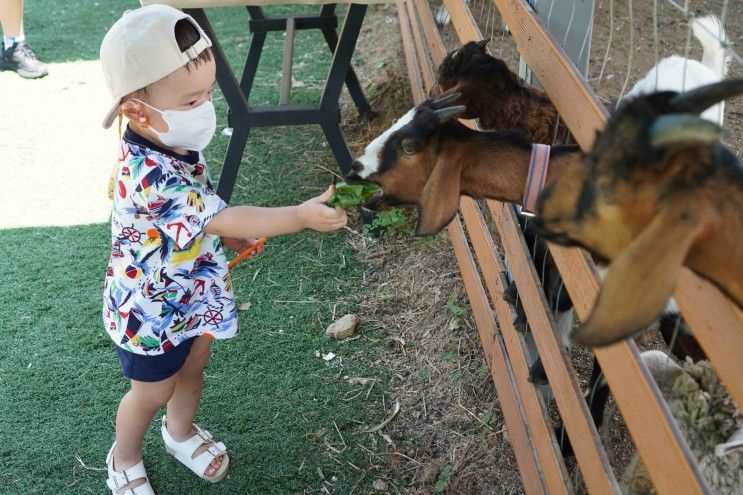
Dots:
{"x": 246, "y": 253}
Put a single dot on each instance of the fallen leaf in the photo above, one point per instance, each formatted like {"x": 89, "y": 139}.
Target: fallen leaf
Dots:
{"x": 316, "y": 434}
{"x": 357, "y": 380}
{"x": 244, "y": 306}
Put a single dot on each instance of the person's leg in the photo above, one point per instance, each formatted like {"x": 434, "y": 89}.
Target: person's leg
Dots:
{"x": 11, "y": 17}
{"x": 186, "y": 396}
{"x": 15, "y": 54}
{"x": 134, "y": 416}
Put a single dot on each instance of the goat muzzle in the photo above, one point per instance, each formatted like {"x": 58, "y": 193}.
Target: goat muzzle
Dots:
{"x": 353, "y": 176}
{"x": 555, "y": 237}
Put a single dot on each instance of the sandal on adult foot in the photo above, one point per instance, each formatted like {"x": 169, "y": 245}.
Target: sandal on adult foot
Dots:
{"x": 118, "y": 481}
{"x": 186, "y": 452}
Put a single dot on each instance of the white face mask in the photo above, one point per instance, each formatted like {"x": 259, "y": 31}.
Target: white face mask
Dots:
{"x": 191, "y": 129}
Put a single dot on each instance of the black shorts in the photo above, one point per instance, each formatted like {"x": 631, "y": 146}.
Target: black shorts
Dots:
{"x": 154, "y": 368}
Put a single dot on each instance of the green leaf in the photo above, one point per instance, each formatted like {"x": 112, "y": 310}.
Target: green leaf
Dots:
{"x": 389, "y": 223}
{"x": 348, "y": 195}
{"x": 442, "y": 483}
{"x": 423, "y": 375}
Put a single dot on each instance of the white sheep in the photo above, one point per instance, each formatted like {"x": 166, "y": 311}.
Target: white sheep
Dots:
{"x": 706, "y": 416}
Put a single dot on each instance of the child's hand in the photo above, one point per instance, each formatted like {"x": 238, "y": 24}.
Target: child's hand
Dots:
{"x": 238, "y": 245}
{"x": 316, "y": 215}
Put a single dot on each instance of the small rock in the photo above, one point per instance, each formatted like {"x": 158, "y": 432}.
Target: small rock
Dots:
{"x": 244, "y": 306}
{"x": 380, "y": 485}
{"x": 343, "y": 328}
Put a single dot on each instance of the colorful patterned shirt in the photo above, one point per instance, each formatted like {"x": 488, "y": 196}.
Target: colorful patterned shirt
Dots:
{"x": 167, "y": 280}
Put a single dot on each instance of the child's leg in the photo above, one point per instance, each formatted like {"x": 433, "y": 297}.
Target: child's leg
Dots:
{"x": 134, "y": 416}
{"x": 186, "y": 396}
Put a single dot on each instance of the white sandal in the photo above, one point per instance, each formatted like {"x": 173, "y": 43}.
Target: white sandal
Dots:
{"x": 184, "y": 452}
{"x": 119, "y": 479}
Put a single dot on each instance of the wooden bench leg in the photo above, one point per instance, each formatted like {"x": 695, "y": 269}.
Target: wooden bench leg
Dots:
{"x": 352, "y": 82}
{"x": 286, "y": 70}
{"x": 232, "y": 160}
{"x": 338, "y": 146}
{"x": 237, "y": 102}
{"x": 341, "y": 64}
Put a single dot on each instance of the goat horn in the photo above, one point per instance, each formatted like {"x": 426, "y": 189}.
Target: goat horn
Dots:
{"x": 700, "y": 99}
{"x": 449, "y": 113}
{"x": 687, "y": 129}
{"x": 446, "y": 99}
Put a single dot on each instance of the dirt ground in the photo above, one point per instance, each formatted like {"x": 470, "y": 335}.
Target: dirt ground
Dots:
{"x": 450, "y": 435}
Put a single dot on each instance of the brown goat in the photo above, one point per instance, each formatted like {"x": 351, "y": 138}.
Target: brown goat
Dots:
{"x": 657, "y": 191}
{"x": 428, "y": 158}
{"x": 495, "y": 95}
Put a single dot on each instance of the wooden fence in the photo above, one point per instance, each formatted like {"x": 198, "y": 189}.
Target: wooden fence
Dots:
{"x": 716, "y": 322}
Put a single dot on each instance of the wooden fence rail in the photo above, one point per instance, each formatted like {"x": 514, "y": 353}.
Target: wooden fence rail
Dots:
{"x": 716, "y": 322}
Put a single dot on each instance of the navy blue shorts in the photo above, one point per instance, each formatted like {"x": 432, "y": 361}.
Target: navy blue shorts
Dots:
{"x": 154, "y": 368}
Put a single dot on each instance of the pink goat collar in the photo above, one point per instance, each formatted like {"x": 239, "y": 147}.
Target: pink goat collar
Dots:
{"x": 540, "y": 161}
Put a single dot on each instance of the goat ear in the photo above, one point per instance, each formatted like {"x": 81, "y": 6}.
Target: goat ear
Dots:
{"x": 641, "y": 279}
{"x": 482, "y": 44}
{"x": 440, "y": 197}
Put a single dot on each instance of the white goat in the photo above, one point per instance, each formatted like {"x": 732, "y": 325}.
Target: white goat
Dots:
{"x": 676, "y": 73}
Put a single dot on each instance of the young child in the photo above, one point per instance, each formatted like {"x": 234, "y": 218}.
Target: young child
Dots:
{"x": 168, "y": 292}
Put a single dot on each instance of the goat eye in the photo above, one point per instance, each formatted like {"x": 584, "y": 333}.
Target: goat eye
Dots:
{"x": 407, "y": 147}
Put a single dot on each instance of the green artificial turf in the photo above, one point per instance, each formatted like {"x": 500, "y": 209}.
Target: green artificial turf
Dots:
{"x": 290, "y": 420}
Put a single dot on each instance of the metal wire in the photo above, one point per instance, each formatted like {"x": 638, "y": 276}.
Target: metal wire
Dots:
{"x": 675, "y": 333}
{"x": 631, "y": 55}
{"x": 687, "y": 47}
{"x": 570, "y": 23}
{"x": 688, "y": 15}
{"x": 549, "y": 14}
{"x": 655, "y": 38}
{"x": 608, "y": 44}
{"x": 589, "y": 31}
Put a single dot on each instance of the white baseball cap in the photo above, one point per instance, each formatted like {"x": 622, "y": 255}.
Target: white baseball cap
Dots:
{"x": 140, "y": 48}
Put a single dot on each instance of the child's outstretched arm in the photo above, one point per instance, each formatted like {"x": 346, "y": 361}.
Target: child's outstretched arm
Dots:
{"x": 246, "y": 222}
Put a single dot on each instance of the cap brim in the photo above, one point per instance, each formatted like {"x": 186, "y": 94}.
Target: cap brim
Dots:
{"x": 112, "y": 114}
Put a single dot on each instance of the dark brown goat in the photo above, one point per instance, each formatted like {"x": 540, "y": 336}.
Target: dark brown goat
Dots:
{"x": 657, "y": 191}
{"x": 495, "y": 95}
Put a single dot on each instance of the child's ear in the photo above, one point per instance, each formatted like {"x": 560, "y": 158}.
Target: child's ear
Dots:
{"x": 134, "y": 111}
